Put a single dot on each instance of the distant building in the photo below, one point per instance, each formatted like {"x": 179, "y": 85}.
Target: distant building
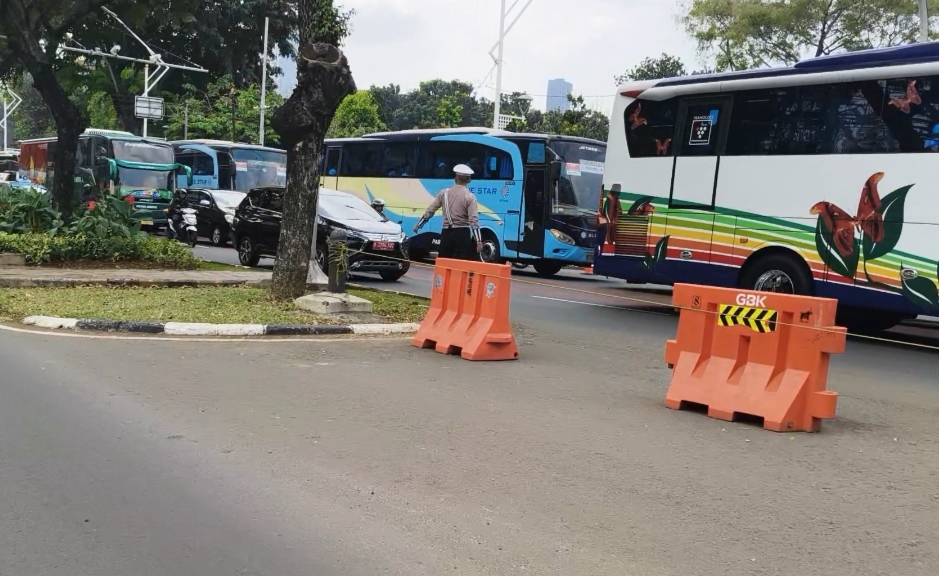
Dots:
{"x": 558, "y": 91}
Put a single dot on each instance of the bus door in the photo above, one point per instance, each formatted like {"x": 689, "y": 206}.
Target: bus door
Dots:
{"x": 330, "y": 172}
{"x": 532, "y": 223}
{"x": 204, "y": 163}
{"x": 702, "y": 132}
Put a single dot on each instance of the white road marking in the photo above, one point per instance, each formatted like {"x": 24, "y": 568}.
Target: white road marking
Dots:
{"x": 627, "y": 308}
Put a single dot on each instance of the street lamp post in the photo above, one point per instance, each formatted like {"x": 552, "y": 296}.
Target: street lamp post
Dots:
{"x": 923, "y": 22}
{"x": 499, "y": 47}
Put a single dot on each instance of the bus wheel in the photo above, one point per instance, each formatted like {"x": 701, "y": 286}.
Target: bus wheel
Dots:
{"x": 490, "y": 252}
{"x": 778, "y": 273}
{"x": 547, "y": 268}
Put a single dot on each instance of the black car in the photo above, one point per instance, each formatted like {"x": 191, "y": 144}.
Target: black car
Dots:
{"x": 215, "y": 210}
{"x": 375, "y": 243}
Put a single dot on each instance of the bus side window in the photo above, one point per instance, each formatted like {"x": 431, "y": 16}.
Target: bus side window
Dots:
{"x": 332, "y": 161}
{"x": 650, "y": 128}
{"x": 399, "y": 159}
{"x": 445, "y": 155}
{"x": 360, "y": 159}
{"x": 914, "y": 124}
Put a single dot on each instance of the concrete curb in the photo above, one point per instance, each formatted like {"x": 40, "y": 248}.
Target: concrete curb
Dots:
{"x": 199, "y": 329}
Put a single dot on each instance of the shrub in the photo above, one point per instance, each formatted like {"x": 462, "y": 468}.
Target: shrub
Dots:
{"x": 27, "y": 210}
{"x": 107, "y": 218}
{"x": 43, "y": 248}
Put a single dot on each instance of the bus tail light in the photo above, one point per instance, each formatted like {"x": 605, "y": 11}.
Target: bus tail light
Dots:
{"x": 631, "y": 93}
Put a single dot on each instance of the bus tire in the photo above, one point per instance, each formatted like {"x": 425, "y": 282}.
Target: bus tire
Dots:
{"x": 777, "y": 272}
{"x": 547, "y": 268}
{"x": 490, "y": 254}
{"x": 248, "y": 254}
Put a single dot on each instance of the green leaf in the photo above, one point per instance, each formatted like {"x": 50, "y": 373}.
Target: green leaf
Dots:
{"x": 638, "y": 203}
{"x": 648, "y": 262}
{"x": 661, "y": 249}
{"x": 843, "y": 265}
{"x": 891, "y": 208}
{"x": 920, "y": 290}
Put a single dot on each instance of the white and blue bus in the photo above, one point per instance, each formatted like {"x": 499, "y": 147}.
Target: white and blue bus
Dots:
{"x": 538, "y": 194}
{"x": 818, "y": 179}
{"x": 223, "y": 165}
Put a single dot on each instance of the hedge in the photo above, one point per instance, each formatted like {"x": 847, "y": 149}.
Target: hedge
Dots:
{"x": 42, "y": 248}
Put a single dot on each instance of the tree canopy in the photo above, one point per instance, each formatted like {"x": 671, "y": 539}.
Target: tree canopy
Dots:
{"x": 739, "y": 34}
{"x": 665, "y": 66}
{"x": 356, "y": 115}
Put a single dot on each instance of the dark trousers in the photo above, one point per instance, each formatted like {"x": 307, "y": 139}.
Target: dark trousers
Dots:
{"x": 457, "y": 243}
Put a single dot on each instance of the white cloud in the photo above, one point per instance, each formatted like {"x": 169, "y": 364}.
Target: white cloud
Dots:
{"x": 586, "y": 42}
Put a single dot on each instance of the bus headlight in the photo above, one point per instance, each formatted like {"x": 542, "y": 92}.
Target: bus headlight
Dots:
{"x": 562, "y": 237}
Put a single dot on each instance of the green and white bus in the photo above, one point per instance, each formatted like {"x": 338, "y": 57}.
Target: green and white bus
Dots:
{"x": 818, "y": 179}
{"x": 142, "y": 171}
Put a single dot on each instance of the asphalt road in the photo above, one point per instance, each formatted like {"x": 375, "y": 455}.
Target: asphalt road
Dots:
{"x": 573, "y": 300}
{"x": 153, "y": 457}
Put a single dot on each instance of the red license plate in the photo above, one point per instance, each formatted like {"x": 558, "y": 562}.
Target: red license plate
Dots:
{"x": 383, "y": 245}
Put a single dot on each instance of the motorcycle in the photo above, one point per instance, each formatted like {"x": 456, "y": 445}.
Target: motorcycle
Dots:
{"x": 183, "y": 227}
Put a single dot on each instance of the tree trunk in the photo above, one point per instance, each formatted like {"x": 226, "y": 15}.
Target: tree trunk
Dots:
{"x": 69, "y": 124}
{"x": 323, "y": 80}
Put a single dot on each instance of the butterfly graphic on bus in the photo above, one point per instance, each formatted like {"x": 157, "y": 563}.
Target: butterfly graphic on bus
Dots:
{"x": 912, "y": 97}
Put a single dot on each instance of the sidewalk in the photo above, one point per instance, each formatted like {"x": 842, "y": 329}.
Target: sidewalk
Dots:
{"x": 33, "y": 277}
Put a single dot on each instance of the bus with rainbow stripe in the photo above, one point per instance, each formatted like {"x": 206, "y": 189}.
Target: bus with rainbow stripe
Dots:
{"x": 817, "y": 179}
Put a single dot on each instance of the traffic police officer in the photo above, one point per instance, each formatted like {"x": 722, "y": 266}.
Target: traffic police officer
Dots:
{"x": 460, "y": 237}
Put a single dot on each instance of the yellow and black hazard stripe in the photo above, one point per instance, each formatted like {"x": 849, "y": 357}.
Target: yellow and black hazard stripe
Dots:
{"x": 758, "y": 319}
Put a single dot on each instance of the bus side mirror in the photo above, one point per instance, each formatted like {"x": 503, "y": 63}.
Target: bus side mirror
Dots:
{"x": 188, "y": 171}
{"x": 112, "y": 168}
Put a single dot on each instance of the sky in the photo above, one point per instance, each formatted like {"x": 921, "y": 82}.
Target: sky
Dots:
{"x": 586, "y": 42}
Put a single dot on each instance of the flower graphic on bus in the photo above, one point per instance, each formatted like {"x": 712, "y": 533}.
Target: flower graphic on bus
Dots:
{"x": 842, "y": 239}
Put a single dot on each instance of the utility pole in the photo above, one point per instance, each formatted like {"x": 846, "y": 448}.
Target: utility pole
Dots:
{"x": 186, "y": 121}
{"x": 9, "y": 106}
{"x": 149, "y": 82}
{"x": 233, "y": 95}
{"x": 503, "y": 32}
{"x": 923, "y": 22}
{"x": 263, "y": 81}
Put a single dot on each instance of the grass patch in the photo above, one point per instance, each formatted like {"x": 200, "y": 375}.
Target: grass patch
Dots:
{"x": 211, "y": 304}
{"x": 394, "y": 307}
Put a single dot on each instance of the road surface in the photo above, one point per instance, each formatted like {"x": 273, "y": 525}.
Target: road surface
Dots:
{"x": 569, "y": 300}
{"x": 153, "y": 457}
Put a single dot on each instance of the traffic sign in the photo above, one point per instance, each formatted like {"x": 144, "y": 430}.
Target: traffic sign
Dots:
{"x": 147, "y": 107}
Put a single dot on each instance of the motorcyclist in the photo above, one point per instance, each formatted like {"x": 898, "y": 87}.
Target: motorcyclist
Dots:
{"x": 378, "y": 205}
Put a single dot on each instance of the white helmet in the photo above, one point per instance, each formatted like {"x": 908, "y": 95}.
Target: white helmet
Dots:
{"x": 462, "y": 170}
{"x": 378, "y": 202}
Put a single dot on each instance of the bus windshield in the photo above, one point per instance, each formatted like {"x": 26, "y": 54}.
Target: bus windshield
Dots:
{"x": 259, "y": 168}
{"x": 145, "y": 153}
{"x": 581, "y": 176}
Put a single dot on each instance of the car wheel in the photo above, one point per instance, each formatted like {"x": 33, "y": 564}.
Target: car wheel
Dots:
{"x": 392, "y": 276}
{"x": 321, "y": 258}
{"x": 218, "y": 239}
{"x": 248, "y": 254}
{"x": 547, "y": 268}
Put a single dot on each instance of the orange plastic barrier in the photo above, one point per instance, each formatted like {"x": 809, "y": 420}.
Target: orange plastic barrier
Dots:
{"x": 755, "y": 353}
{"x": 469, "y": 311}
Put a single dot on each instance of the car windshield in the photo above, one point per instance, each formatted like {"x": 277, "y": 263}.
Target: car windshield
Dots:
{"x": 227, "y": 200}
{"x": 147, "y": 152}
{"x": 344, "y": 208}
{"x": 259, "y": 168}
{"x": 581, "y": 176}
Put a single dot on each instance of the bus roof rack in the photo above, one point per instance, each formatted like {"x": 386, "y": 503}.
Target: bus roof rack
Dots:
{"x": 892, "y": 56}
{"x": 442, "y": 131}
{"x": 105, "y": 132}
